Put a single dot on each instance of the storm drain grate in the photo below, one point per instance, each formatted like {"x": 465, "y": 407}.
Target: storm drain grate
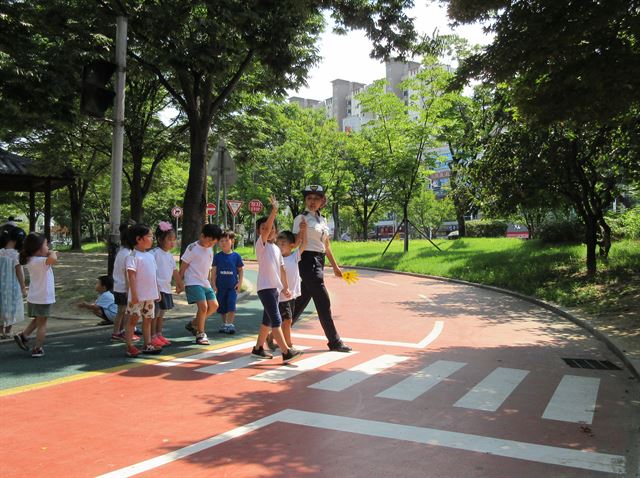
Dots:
{"x": 591, "y": 364}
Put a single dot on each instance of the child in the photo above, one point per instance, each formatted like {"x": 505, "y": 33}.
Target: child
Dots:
{"x": 104, "y": 306}
{"x": 12, "y": 288}
{"x": 35, "y": 254}
{"x": 287, "y": 243}
{"x": 272, "y": 279}
{"x": 143, "y": 288}
{"x": 194, "y": 270}
{"x": 226, "y": 278}
{"x": 166, "y": 237}
{"x": 120, "y": 285}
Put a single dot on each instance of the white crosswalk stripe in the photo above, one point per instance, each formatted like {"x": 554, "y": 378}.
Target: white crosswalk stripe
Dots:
{"x": 238, "y": 363}
{"x": 348, "y": 378}
{"x": 574, "y": 400}
{"x": 288, "y": 371}
{"x": 491, "y": 392}
{"x": 418, "y": 383}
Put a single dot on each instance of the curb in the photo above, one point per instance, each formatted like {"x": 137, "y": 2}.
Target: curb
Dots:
{"x": 632, "y": 364}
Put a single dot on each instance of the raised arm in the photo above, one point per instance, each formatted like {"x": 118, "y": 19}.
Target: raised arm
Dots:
{"x": 270, "y": 220}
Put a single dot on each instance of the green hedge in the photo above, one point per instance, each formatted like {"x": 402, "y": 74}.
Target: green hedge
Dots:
{"x": 486, "y": 228}
{"x": 562, "y": 231}
{"x": 625, "y": 225}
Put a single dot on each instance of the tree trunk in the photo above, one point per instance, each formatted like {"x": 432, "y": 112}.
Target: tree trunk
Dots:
{"x": 76, "y": 218}
{"x": 405, "y": 220}
{"x": 194, "y": 201}
{"x": 336, "y": 221}
{"x": 591, "y": 241}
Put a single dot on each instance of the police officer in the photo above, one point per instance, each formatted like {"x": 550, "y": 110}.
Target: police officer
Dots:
{"x": 312, "y": 265}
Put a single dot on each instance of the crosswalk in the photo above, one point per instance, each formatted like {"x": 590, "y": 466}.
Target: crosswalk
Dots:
{"x": 574, "y": 399}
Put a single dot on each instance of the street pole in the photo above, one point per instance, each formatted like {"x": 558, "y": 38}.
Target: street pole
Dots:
{"x": 220, "y": 153}
{"x": 117, "y": 141}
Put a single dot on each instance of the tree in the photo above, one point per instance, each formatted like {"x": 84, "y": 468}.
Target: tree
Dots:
{"x": 206, "y": 53}
{"x": 428, "y": 213}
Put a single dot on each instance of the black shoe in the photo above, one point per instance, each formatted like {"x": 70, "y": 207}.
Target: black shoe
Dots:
{"x": 291, "y": 354}
{"x": 191, "y": 329}
{"x": 271, "y": 344}
{"x": 340, "y": 347}
{"x": 21, "y": 340}
{"x": 261, "y": 353}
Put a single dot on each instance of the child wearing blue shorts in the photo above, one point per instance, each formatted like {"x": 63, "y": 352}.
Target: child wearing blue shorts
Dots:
{"x": 226, "y": 277}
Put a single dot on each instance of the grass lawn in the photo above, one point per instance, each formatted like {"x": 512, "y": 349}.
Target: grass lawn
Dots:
{"x": 554, "y": 273}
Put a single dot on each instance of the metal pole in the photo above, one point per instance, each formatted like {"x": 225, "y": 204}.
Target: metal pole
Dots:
{"x": 219, "y": 185}
{"x": 117, "y": 140}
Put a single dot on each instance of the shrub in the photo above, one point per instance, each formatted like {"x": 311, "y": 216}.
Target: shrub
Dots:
{"x": 562, "y": 230}
{"x": 625, "y": 225}
{"x": 486, "y": 228}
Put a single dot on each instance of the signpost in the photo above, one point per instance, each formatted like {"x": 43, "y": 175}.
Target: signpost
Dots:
{"x": 255, "y": 207}
{"x": 211, "y": 210}
{"x": 234, "y": 206}
{"x": 177, "y": 213}
{"x": 223, "y": 171}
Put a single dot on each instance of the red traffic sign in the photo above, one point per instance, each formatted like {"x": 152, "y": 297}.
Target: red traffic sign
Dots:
{"x": 211, "y": 209}
{"x": 176, "y": 211}
{"x": 255, "y": 206}
{"x": 234, "y": 206}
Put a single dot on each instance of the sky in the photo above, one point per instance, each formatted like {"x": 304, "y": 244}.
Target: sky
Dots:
{"x": 347, "y": 56}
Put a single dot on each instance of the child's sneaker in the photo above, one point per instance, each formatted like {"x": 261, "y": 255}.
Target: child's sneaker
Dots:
{"x": 156, "y": 342}
{"x": 191, "y": 328}
{"x": 151, "y": 349}
{"x": 133, "y": 351}
{"x": 271, "y": 344}
{"x": 117, "y": 337}
{"x": 164, "y": 341}
{"x": 223, "y": 329}
{"x": 135, "y": 338}
{"x": 291, "y": 355}
{"x": 231, "y": 329}
{"x": 37, "y": 352}
{"x": 261, "y": 353}
{"x": 201, "y": 339}
{"x": 21, "y": 340}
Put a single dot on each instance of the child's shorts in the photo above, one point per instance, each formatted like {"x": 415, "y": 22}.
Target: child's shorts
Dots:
{"x": 227, "y": 300}
{"x": 143, "y": 309}
{"x": 166, "y": 303}
{"x": 38, "y": 310}
{"x": 120, "y": 298}
{"x": 286, "y": 309}
{"x": 197, "y": 293}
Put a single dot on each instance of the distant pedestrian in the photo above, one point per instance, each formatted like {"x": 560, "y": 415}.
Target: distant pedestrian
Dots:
{"x": 312, "y": 265}
{"x": 12, "y": 287}
{"x": 143, "y": 288}
{"x": 38, "y": 259}
{"x": 166, "y": 272}
{"x": 104, "y": 306}
{"x": 194, "y": 270}
{"x": 226, "y": 278}
{"x": 272, "y": 280}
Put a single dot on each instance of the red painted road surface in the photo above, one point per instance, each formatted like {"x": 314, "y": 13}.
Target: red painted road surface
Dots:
{"x": 445, "y": 380}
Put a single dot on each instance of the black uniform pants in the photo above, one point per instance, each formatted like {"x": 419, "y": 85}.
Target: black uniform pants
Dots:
{"x": 311, "y": 268}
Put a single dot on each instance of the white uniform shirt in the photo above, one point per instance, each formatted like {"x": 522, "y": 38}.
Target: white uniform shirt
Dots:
{"x": 41, "y": 285}
{"x": 269, "y": 263}
{"x": 144, "y": 265}
{"x": 293, "y": 275}
{"x": 166, "y": 264}
{"x": 120, "y": 270}
{"x": 199, "y": 259}
{"x": 317, "y": 231}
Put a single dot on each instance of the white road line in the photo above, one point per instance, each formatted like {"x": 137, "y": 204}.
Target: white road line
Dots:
{"x": 426, "y": 299}
{"x": 491, "y": 392}
{"x": 344, "y": 380}
{"x": 207, "y": 354}
{"x": 574, "y": 400}
{"x": 573, "y": 458}
{"x": 419, "y": 382}
{"x": 433, "y": 335}
{"x": 236, "y": 364}
{"x": 288, "y": 371}
{"x": 381, "y": 282}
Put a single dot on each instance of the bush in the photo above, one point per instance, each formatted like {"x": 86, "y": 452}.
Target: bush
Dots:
{"x": 625, "y": 225}
{"x": 562, "y": 230}
{"x": 486, "y": 228}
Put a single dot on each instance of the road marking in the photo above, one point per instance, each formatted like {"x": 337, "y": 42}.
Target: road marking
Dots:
{"x": 574, "y": 400}
{"x": 419, "y": 382}
{"x": 343, "y": 380}
{"x": 568, "y": 457}
{"x": 236, "y": 364}
{"x": 381, "y": 282}
{"x": 491, "y": 392}
{"x": 433, "y": 335}
{"x": 286, "y": 372}
{"x": 426, "y": 299}
{"x": 207, "y": 354}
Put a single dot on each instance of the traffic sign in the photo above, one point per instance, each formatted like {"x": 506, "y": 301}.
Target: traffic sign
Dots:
{"x": 234, "y": 206}
{"x": 255, "y": 206}
{"x": 211, "y": 209}
{"x": 176, "y": 212}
